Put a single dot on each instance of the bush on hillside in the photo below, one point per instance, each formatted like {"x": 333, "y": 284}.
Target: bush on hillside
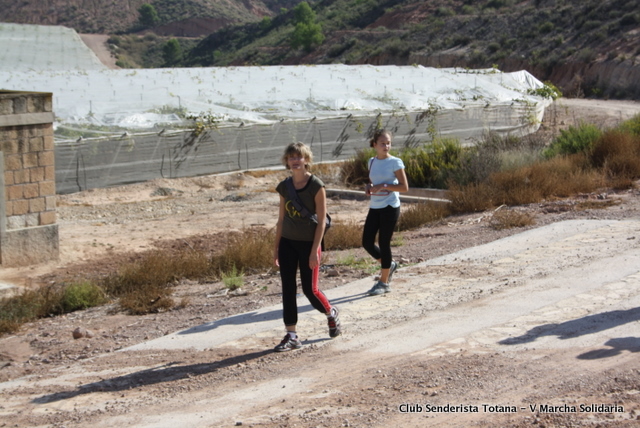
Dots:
{"x": 574, "y": 140}
{"x": 432, "y": 164}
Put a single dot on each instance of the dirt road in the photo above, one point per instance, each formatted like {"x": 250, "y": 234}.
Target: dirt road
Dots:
{"x": 537, "y": 328}
{"x": 98, "y": 44}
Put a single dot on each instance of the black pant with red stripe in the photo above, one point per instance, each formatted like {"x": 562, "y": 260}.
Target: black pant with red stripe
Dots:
{"x": 294, "y": 255}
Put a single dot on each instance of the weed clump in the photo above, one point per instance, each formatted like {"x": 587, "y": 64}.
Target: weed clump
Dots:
{"x": 343, "y": 235}
{"x": 82, "y": 295}
{"x": 233, "y": 279}
{"x": 617, "y": 154}
{"x": 509, "y": 219}
{"x": 417, "y": 215}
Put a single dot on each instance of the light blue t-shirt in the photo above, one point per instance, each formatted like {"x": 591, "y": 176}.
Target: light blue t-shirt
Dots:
{"x": 383, "y": 171}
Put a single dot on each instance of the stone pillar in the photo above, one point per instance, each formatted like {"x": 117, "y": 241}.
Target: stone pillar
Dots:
{"x": 28, "y": 229}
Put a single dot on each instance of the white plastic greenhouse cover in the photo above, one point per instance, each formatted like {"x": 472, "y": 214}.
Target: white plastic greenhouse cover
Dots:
{"x": 54, "y": 59}
{"x": 40, "y": 47}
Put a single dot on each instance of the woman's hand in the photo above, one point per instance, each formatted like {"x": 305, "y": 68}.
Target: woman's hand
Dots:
{"x": 379, "y": 190}
{"x": 313, "y": 260}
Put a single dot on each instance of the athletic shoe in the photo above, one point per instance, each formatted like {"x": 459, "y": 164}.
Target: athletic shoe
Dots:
{"x": 288, "y": 344}
{"x": 379, "y": 288}
{"x": 334, "y": 323}
{"x": 392, "y": 269}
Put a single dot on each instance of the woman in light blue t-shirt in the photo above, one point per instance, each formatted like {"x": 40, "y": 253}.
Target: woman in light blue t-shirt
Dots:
{"x": 387, "y": 178}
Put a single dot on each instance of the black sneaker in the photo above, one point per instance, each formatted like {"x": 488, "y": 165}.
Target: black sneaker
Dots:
{"x": 288, "y": 344}
{"x": 392, "y": 269}
{"x": 334, "y": 323}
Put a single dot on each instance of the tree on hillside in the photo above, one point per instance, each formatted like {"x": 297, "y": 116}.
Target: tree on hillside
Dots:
{"x": 171, "y": 53}
{"x": 307, "y": 32}
{"x": 303, "y": 13}
{"x": 148, "y": 16}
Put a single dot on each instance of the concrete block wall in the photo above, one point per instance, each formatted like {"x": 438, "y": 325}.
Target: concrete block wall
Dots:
{"x": 28, "y": 230}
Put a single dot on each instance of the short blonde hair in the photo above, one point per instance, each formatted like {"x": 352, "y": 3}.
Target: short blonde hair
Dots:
{"x": 298, "y": 149}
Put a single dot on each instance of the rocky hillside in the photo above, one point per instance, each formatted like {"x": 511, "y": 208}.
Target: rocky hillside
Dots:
{"x": 585, "y": 47}
{"x": 179, "y": 17}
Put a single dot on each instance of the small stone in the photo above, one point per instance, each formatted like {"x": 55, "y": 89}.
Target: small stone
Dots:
{"x": 333, "y": 272}
{"x": 81, "y": 332}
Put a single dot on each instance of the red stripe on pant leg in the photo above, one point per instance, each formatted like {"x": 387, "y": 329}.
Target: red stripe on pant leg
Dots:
{"x": 315, "y": 275}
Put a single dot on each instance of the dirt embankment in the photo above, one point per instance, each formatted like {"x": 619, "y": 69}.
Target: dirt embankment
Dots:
{"x": 98, "y": 44}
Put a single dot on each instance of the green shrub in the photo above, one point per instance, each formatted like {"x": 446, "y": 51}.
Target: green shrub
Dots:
{"x": 573, "y": 140}
{"x": 468, "y": 10}
{"x": 476, "y": 165}
{"x": 631, "y": 126}
{"x": 497, "y": 4}
{"x": 234, "y": 279}
{"x": 82, "y": 295}
{"x": 432, "y": 164}
{"x": 546, "y": 27}
{"x": 494, "y": 153}
{"x": 548, "y": 90}
{"x": 31, "y": 304}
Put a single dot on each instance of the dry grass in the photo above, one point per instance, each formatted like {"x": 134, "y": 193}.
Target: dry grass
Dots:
{"x": 417, "y": 215}
{"x": 596, "y": 205}
{"x": 343, "y": 235}
{"x": 355, "y": 171}
{"x": 250, "y": 250}
{"x": 509, "y": 219}
{"x": 143, "y": 286}
{"x": 47, "y": 301}
{"x": 562, "y": 176}
{"x": 618, "y": 155}
{"x": 471, "y": 198}
{"x": 157, "y": 269}
{"x": 262, "y": 173}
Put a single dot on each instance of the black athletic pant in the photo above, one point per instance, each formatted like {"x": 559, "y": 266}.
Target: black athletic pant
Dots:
{"x": 383, "y": 222}
{"x": 291, "y": 256}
